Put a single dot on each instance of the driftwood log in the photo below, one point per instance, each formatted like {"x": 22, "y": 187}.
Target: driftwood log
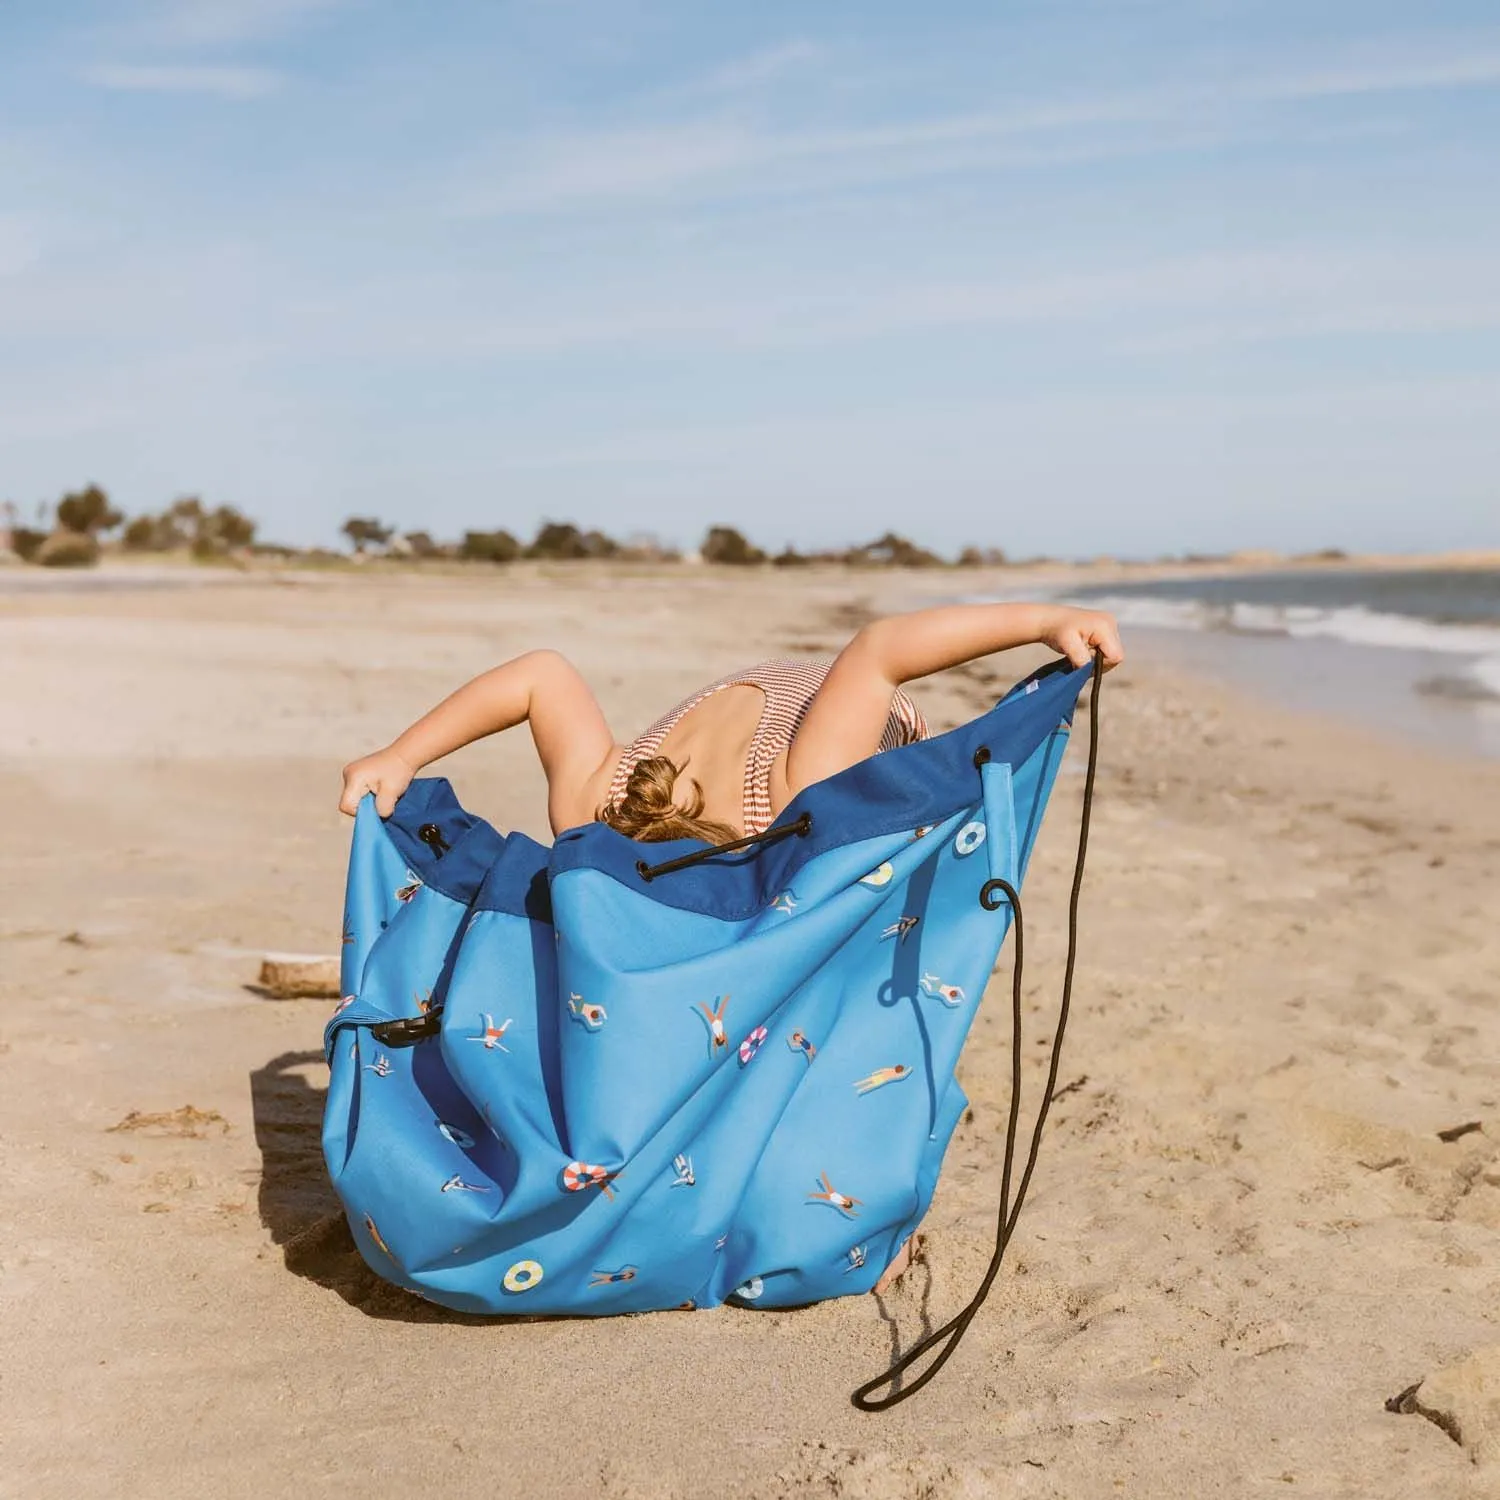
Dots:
{"x": 299, "y": 976}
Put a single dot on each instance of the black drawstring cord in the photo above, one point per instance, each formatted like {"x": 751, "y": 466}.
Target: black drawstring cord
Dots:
{"x": 800, "y": 827}
{"x": 954, "y": 1330}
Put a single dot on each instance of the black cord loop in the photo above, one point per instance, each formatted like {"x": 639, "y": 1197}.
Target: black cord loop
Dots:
{"x": 801, "y": 828}
{"x": 990, "y": 896}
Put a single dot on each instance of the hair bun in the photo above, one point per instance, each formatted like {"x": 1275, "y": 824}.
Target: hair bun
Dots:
{"x": 647, "y": 809}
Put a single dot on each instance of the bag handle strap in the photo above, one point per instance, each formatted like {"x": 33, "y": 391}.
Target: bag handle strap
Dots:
{"x": 992, "y": 893}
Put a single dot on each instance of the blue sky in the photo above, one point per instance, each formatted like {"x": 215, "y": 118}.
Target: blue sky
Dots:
{"x": 1063, "y": 276}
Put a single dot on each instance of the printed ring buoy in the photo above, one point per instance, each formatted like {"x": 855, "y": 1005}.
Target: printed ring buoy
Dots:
{"x": 578, "y": 1175}
{"x": 751, "y": 1045}
{"x": 968, "y": 839}
{"x": 522, "y": 1276}
{"x": 751, "y": 1289}
{"x": 879, "y": 876}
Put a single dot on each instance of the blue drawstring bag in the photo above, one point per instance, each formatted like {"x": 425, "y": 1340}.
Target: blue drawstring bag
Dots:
{"x": 572, "y": 1081}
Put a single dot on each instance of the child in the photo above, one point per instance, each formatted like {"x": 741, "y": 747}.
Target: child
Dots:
{"x": 754, "y": 739}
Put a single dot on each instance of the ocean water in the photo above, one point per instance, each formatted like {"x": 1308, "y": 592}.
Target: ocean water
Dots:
{"x": 1413, "y": 651}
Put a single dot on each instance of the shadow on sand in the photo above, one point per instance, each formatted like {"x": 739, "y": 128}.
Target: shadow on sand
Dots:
{"x": 297, "y": 1202}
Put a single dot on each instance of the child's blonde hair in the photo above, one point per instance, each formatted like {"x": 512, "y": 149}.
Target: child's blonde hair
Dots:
{"x": 648, "y": 811}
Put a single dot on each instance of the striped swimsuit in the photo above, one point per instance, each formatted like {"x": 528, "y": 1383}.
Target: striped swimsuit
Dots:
{"x": 789, "y": 685}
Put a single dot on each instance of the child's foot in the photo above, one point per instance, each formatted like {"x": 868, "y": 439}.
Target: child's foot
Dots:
{"x": 892, "y": 1273}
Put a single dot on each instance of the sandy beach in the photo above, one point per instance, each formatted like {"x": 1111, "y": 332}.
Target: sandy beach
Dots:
{"x": 1244, "y": 1236}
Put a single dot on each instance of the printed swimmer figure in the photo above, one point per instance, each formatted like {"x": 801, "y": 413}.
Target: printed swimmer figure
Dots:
{"x": 456, "y": 1184}
{"x": 856, "y": 1259}
{"x": 682, "y": 1165}
{"x": 880, "y": 1077}
{"x": 381, "y": 1067}
{"x": 714, "y": 1019}
{"x": 380, "y": 1244}
{"x": 785, "y": 903}
{"x": 492, "y": 1034}
{"x": 348, "y": 936}
{"x": 410, "y": 889}
{"x": 604, "y": 1278}
{"x": 831, "y": 1195}
{"x": 460, "y": 1138}
{"x": 798, "y": 1042}
{"x": 423, "y": 1002}
{"x": 593, "y": 1016}
{"x": 950, "y": 994}
{"x": 898, "y": 930}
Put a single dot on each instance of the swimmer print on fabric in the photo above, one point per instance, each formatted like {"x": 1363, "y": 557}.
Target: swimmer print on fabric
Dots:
{"x": 580, "y": 1175}
{"x": 381, "y": 1067}
{"x": 899, "y": 930}
{"x": 835, "y": 1199}
{"x": 460, "y": 1138}
{"x": 714, "y": 1020}
{"x": 492, "y": 1035}
{"x": 751, "y": 1045}
{"x": 798, "y": 1042}
{"x": 682, "y": 1165}
{"x": 856, "y": 1259}
{"x": 785, "y": 903}
{"x": 951, "y": 995}
{"x": 406, "y": 892}
{"x": 380, "y": 1244}
{"x": 880, "y": 1077}
{"x": 422, "y": 1001}
{"x": 592, "y": 1016}
{"x": 605, "y": 1278}
{"x": 348, "y": 937}
{"x": 456, "y": 1184}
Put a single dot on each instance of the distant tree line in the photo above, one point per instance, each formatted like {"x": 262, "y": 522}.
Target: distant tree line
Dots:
{"x": 561, "y": 541}
{"x": 70, "y": 533}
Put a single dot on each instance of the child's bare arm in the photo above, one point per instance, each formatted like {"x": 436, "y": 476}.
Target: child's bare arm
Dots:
{"x": 541, "y": 688}
{"x": 846, "y": 719}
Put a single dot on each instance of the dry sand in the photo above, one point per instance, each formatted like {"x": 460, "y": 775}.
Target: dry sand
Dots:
{"x": 1244, "y": 1236}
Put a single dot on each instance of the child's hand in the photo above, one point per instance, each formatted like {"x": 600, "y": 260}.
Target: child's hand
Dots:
{"x": 384, "y": 773}
{"x": 1077, "y": 632}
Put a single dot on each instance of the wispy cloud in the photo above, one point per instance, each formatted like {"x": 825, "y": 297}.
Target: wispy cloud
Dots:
{"x": 225, "y": 23}
{"x": 758, "y": 68}
{"x": 189, "y": 78}
{"x": 714, "y": 154}
{"x": 1479, "y": 69}
{"x": 20, "y": 245}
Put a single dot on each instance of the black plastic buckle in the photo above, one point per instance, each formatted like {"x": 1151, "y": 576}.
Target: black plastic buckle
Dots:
{"x": 409, "y": 1030}
{"x": 432, "y": 836}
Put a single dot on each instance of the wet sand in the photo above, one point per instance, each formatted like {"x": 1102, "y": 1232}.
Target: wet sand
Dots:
{"x": 1245, "y": 1233}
